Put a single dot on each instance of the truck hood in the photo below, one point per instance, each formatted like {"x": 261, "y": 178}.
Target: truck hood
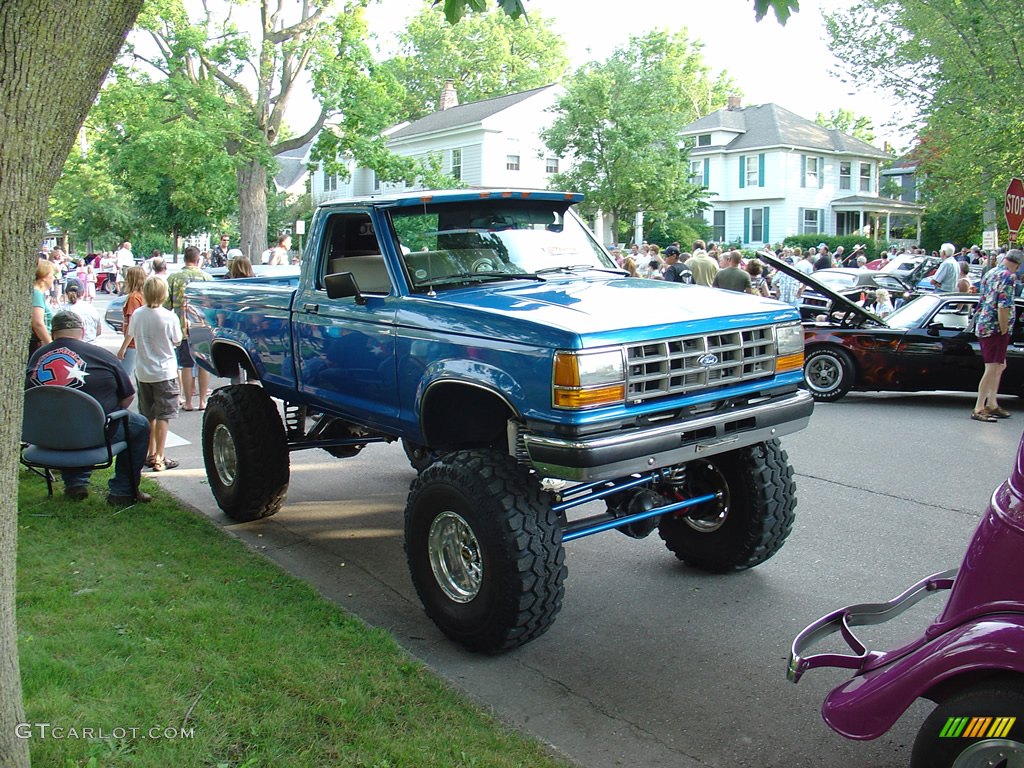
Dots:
{"x": 606, "y": 309}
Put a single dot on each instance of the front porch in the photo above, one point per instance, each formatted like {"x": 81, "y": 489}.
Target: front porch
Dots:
{"x": 872, "y": 217}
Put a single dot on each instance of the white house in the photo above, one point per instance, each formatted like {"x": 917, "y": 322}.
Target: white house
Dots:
{"x": 491, "y": 143}
{"x": 772, "y": 173}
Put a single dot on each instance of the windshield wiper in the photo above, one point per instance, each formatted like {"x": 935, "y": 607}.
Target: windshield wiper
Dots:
{"x": 579, "y": 268}
{"x": 474, "y": 277}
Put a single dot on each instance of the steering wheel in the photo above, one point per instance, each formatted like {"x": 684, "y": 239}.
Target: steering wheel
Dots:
{"x": 485, "y": 264}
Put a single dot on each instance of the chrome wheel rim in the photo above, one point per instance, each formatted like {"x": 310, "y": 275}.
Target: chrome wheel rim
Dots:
{"x": 455, "y": 557}
{"x": 823, "y": 373}
{"x": 709, "y": 517}
{"x": 225, "y": 457}
{"x": 990, "y": 753}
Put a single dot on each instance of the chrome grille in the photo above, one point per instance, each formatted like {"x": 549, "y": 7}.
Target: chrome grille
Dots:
{"x": 689, "y": 363}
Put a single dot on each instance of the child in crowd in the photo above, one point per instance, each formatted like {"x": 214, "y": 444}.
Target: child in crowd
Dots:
{"x": 157, "y": 334}
{"x": 134, "y": 279}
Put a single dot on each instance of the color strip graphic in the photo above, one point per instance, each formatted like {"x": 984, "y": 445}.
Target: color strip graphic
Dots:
{"x": 977, "y": 727}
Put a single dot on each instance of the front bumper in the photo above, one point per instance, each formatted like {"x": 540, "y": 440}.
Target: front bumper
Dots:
{"x": 864, "y": 614}
{"x": 644, "y": 449}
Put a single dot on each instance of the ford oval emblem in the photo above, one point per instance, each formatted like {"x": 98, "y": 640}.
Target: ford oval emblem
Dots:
{"x": 706, "y": 361}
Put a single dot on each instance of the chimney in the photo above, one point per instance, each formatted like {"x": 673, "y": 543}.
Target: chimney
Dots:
{"x": 734, "y": 103}
{"x": 449, "y": 98}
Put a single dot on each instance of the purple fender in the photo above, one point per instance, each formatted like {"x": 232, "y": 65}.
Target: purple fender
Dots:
{"x": 869, "y": 704}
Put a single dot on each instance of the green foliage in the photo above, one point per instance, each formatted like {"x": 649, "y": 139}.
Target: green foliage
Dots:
{"x": 782, "y": 8}
{"x": 958, "y": 64}
{"x": 958, "y": 224}
{"x": 620, "y": 119}
{"x": 682, "y": 229}
{"x": 843, "y": 119}
{"x": 486, "y": 54}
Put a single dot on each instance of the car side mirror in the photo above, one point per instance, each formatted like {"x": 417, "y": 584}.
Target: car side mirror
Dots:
{"x": 342, "y": 285}
{"x": 934, "y": 328}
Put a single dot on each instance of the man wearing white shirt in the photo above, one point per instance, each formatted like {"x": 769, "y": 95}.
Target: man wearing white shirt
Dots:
{"x": 125, "y": 260}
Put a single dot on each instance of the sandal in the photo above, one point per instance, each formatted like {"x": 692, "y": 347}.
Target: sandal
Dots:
{"x": 999, "y": 413}
{"x": 164, "y": 464}
{"x": 983, "y": 416}
{"x": 150, "y": 460}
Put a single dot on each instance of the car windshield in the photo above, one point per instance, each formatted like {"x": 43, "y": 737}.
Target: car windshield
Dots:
{"x": 447, "y": 244}
{"x": 913, "y": 313}
{"x": 836, "y": 280}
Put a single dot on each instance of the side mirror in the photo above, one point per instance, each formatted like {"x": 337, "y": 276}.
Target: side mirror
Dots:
{"x": 342, "y": 285}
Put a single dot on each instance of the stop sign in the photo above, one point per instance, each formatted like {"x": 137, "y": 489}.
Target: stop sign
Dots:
{"x": 1014, "y": 206}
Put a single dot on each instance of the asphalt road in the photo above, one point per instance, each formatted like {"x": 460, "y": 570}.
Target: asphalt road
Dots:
{"x": 651, "y": 663}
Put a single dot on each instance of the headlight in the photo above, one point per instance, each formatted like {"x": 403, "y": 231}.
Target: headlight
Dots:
{"x": 789, "y": 341}
{"x": 588, "y": 379}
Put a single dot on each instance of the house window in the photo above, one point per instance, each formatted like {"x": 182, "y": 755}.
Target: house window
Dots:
{"x": 811, "y": 172}
{"x": 374, "y": 182}
{"x": 718, "y": 225}
{"x": 845, "y": 174}
{"x": 697, "y": 172}
{"x": 457, "y": 164}
{"x": 331, "y": 182}
{"x": 750, "y": 171}
{"x": 865, "y": 177}
{"x": 757, "y": 225}
{"x": 550, "y": 165}
{"x": 809, "y": 224}
{"x": 511, "y": 162}
{"x": 704, "y": 140}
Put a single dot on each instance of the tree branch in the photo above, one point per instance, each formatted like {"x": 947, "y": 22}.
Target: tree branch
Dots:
{"x": 296, "y": 142}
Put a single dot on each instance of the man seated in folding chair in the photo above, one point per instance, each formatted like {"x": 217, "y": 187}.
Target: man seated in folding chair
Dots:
{"x": 71, "y": 362}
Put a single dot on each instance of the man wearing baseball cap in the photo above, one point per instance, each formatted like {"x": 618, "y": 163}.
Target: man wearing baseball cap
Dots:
{"x": 993, "y": 324}
{"x": 70, "y": 361}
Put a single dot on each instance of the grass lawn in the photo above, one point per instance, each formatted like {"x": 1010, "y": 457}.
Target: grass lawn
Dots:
{"x": 153, "y": 618}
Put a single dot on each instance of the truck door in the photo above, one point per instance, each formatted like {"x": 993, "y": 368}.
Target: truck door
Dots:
{"x": 344, "y": 350}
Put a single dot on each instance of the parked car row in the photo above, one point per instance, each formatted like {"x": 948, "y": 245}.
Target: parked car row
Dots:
{"x": 923, "y": 346}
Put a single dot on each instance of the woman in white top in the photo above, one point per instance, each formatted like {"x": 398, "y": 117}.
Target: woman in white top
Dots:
{"x": 91, "y": 322}
{"x": 883, "y": 304}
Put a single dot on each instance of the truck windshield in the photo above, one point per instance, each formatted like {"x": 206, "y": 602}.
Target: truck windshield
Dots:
{"x": 487, "y": 240}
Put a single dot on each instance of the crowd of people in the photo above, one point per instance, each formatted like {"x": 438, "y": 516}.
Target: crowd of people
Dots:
{"x": 154, "y": 363}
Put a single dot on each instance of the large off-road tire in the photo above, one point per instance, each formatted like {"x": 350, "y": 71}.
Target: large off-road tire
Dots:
{"x": 748, "y": 523}
{"x": 485, "y": 550}
{"x": 829, "y": 373}
{"x": 974, "y": 728}
{"x": 245, "y": 452}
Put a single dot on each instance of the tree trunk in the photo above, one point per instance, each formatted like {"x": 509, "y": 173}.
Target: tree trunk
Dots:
{"x": 53, "y": 58}
{"x": 252, "y": 209}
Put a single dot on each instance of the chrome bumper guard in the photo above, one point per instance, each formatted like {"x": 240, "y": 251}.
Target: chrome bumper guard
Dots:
{"x": 864, "y": 614}
{"x": 641, "y": 450}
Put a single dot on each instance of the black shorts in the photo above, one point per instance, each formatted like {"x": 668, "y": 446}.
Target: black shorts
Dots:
{"x": 185, "y": 359}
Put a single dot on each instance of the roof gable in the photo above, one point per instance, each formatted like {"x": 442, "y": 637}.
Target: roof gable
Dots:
{"x": 464, "y": 114}
{"x": 769, "y": 125}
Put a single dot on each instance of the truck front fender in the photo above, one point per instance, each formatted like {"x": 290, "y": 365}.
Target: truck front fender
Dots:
{"x": 869, "y": 704}
{"x": 460, "y": 402}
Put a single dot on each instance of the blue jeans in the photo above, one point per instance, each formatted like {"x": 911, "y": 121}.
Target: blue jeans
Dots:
{"x": 126, "y": 474}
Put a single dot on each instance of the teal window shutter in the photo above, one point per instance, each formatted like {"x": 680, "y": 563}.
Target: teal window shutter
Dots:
{"x": 821, "y": 172}
{"x": 803, "y": 170}
{"x": 707, "y": 171}
{"x": 746, "y": 226}
{"x": 764, "y": 228}
{"x": 760, "y": 170}
{"x": 743, "y": 171}
{"x": 800, "y": 220}
{"x": 821, "y": 220}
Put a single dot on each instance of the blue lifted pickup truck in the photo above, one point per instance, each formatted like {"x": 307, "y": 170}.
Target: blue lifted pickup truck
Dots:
{"x": 541, "y": 393}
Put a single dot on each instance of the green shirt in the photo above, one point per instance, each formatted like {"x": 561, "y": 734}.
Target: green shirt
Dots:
{"x": 39, "y": 300}
{"x": 176, "y": 284}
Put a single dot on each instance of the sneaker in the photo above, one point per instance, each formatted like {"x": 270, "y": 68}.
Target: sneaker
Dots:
{"x": 140, "y": 497}
{"x": 77, "y": 492}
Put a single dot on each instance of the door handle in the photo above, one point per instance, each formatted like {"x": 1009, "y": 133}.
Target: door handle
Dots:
{"x": 314, "y": 308}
